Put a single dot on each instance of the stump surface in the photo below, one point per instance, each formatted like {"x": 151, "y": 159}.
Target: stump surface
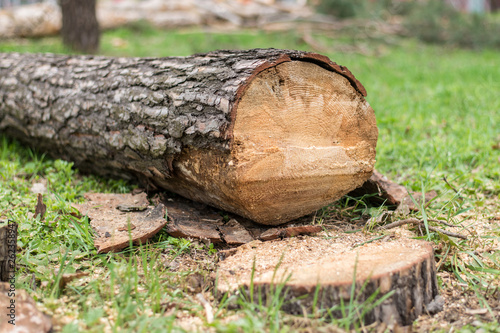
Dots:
{"x": 405, "y": 267}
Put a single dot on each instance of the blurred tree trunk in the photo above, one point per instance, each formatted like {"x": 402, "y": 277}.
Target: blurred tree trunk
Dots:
{"x": 80, "y": 29}
{"x": 495, "y": 5}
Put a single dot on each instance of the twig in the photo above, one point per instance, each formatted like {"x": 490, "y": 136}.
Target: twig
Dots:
{"x": 369, "y": 241}
{"x": 209, "y": 311}
{"x": 399, "y": 223}
{"x": 419, "y": 222}
{"x": 442, "y": 222}
{"x": 447, "y": 233}
{"x": 453, "y": 188}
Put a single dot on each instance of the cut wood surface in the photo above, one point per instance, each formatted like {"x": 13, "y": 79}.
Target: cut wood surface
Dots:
{"x": 404, "y": 267}
{"x": 268, "y": 134}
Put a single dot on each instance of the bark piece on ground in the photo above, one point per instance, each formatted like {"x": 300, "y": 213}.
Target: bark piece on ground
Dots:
{"x": 405, "y": 267}
{"x": 393, "y": 194}
{"x": 26, "y": 317}
{"x": 114, "y": 228}
{"x": 270, "y": 135}
{"x": 234, "y": 233}
{"x": 189, "y": 219}
{"x": 8, "y": 248}
{"x": 284, "y": 232}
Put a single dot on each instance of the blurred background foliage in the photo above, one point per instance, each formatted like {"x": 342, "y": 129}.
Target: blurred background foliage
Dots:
{"x": 432, "y": 21}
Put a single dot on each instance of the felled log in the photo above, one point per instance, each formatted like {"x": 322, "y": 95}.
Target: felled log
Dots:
{"x": 268, "y": 134}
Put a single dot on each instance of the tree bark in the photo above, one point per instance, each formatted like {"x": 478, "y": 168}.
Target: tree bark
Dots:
{"x": 8, "y": 245}
{"x": 80, "y": 29}
{"x": 267, "y": 134}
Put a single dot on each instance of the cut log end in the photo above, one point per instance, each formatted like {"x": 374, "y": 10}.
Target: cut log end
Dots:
{"x": 302, "y": 137}
{"x": 319, "y": 279}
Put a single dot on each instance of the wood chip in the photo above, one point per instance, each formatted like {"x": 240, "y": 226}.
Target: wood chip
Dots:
{"x": 234, "y": 233}
{"x": 188, "y": 219}
{"x": 68, "y": 277}
{"x": 276, "y": 233}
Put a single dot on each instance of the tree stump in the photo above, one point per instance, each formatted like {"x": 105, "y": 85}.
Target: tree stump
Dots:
{"x": 316, "y": 274}
{"x": 268, "y": 134}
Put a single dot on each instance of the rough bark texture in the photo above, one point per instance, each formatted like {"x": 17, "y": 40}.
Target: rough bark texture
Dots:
{"x": 80, "y": 29}
{"x": 246, "y": 131}
{"x": 311, "y": 279}
{"x": 8, "y": 245}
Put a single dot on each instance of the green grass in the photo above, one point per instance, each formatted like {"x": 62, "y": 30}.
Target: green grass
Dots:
{"x": 438, "y": 114}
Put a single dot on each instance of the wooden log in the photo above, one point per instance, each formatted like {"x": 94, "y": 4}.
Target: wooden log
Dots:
{"x": 314, "y": 275}
{"x": 268, "y": 134}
